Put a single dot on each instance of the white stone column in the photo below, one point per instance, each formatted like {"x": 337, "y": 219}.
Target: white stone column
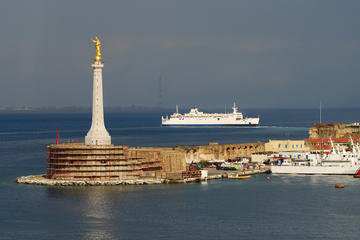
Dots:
{"x": 97, "y": 135}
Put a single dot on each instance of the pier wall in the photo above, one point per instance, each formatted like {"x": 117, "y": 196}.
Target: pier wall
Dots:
{"x": 334, "y": 130}
{"x": 170, "y": 160}
{"x": 77, "y": 161}
{"x": 215, "y": 151}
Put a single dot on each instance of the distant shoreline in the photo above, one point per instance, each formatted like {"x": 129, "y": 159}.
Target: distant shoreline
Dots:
{"x": 140, "y": 109}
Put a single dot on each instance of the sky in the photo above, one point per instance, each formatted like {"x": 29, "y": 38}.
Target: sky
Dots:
{"x": 207, "y": 53}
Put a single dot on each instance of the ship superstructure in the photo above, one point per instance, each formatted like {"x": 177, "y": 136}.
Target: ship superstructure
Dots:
{"x": 197, "y": 118}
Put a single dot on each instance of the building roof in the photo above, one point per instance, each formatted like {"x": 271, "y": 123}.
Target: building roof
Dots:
{"x": 327, "y": 140}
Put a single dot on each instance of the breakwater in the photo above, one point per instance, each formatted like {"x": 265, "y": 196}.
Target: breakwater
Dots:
{"x": 80, "y": 164}
{"x": 213, "y": 175}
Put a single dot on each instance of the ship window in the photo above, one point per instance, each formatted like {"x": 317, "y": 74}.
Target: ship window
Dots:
{"x": 218, "y": 118}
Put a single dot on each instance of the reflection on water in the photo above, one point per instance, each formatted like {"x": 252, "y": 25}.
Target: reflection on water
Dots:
{"x": 286, "y": 207}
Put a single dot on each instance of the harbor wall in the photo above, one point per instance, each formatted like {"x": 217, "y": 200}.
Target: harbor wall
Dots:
{"x": 170, "y": 160}
{"x": 334, "y": 130}
{"x": 216, "y": 151}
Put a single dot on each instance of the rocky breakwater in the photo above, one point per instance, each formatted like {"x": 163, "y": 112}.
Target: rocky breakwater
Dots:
{"x": 42, "y": 180}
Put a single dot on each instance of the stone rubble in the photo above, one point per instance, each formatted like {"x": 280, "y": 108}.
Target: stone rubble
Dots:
{"x": 42, "y": 180}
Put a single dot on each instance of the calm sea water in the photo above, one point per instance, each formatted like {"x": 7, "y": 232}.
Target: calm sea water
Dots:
{"x": 286, "y": 207}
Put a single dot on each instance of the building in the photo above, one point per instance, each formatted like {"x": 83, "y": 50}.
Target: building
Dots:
{"x": 285, "y": 146}
{"x": 325, "y": 143}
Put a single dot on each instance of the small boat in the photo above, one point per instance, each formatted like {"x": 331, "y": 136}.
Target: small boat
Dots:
{"x": 239, "y": 177}
{"x": 356, "y": 176}
{"x": 339, "y": 186}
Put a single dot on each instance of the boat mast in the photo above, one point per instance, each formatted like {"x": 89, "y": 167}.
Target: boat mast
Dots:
{"x": 320, "y": 111}
{"x": 235, "y": 108}
{"x": 177, "y": 109}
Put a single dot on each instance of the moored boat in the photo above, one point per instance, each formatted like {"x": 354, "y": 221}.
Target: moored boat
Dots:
{"x": 335, "y": 162}
{"x": 239, "y": 177}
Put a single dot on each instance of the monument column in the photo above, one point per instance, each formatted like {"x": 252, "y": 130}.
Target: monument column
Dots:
{"x": 97, "y": 135}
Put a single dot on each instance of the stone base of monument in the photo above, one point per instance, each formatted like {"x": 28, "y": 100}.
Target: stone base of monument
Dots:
{"x": 81, "y": 162}
{"x": 42, "y": 180}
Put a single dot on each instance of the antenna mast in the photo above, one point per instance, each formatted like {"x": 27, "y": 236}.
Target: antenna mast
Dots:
{"x": 320, "y": 111}
{"x": 161, "y": 94}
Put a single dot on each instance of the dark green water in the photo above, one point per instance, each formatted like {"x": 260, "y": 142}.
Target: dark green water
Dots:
{"x": 286, "y": 207}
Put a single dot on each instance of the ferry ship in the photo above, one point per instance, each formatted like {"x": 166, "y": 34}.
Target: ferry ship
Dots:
{"x": 197, "y": 118}
{"x": 335, "y": 162}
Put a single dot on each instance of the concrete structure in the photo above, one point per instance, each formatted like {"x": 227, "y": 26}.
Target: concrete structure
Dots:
{"x": 97, "y": 135}
{"x": 285, "y": 146}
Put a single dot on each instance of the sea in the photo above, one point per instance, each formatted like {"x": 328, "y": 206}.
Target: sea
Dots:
{"x": 284, "y": 207}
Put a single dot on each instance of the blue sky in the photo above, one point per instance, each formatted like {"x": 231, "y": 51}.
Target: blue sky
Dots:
{"x": 261, "y": 54}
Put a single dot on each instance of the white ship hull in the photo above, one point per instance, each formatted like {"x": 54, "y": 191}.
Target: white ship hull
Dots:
{"x": 211, "y": 122}
{"x": 197, "y": 118}
{"x": 326, "y": 170}
{"x": 335, "y": 162}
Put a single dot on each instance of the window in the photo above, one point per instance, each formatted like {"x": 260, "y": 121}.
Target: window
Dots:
{"x": 279, "y": 146}
{"x": 285, "y": 145}
{"x": 300, "y": 145}
{"x": 293, "y": 146}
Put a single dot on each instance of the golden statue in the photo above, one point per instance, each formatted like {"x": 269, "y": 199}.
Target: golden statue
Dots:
{"x": 97, "y": 57}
